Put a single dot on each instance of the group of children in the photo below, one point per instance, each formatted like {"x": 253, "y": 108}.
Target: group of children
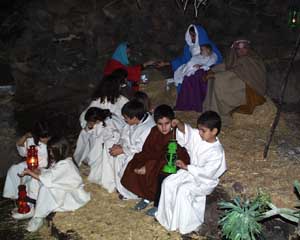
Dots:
{"x": 125, "y": 143}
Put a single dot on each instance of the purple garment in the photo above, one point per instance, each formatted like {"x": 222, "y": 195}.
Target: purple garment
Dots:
{"x": 192, "y": 93}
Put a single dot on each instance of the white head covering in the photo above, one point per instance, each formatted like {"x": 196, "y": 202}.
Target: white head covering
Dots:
{"x": 194, "y": 47}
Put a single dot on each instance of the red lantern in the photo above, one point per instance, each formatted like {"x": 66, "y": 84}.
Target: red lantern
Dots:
{"x": 32, "y": 158}
{"x": 23, "y": 206}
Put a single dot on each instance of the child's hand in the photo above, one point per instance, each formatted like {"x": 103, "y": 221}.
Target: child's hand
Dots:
{"x": 140, "y": 171}
{"x": 174, "y": 123}
{"x": 28, "y": 135}
{"x": 116, "y": 150}
{"x": 26, "y": 171}
{"x": 181, "y": 164}
{"x": 149, "y": 63}
{"x": 160, "y": 64}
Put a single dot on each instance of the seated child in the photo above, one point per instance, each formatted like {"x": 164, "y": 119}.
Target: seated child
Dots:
{"x": 61, "y": 185}
{"x": 39, "y": 137}
{"x": 139, "y": 124}
{"x": 100, "y": 133}
{"x": 125, "y": 88}
{"x": 144, "y": 99}
{"x": 204, "y": 60}
{"x": 107, "y": 96}
{"x": 183, "y": 196}
{"x": 141, "y": 174}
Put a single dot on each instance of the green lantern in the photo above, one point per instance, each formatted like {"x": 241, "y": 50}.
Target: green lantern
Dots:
{"x": 294, "y": 17}
{"x": 171, "y": 156}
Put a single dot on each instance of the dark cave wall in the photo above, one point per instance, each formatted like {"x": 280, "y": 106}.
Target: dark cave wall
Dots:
{"x": 58, "y": 59}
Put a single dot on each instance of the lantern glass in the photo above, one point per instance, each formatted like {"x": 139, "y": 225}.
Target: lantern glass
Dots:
{"x": 293, "y": 17}
{"x": 23, "y": 206}
{"x": 32, "y": 158}
{"x": 171, "y": 157}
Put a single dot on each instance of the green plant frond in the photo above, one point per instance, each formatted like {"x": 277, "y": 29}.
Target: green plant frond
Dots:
{"x": 297, "y": 186}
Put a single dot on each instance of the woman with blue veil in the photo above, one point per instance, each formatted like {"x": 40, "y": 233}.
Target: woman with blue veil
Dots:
{"x": 191, "y": 93}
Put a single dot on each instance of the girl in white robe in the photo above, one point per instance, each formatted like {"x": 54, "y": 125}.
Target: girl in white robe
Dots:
{"x": 100, "y": 133}
{"x": 39, "y": 137}
{"x": 61, "y": 185}
{"x": 139, "y": 124}
{"x": 107, "y": 96}
{"x": 183, "y": 197}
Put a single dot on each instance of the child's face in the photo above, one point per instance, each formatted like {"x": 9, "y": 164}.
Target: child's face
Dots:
{"x": 207, "y": 134}
{"x": 205, "y": 51}
{"x": 44, "y": 139}
{"x": 164, "y": 125}
{"x": 131, "y": 121}
{"x": 91, "y": 124}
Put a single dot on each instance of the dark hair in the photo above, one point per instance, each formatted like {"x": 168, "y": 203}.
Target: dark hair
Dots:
{"x": 120, "y": 72}
{"x": 143, "y": 98}
{"x": 94, "y": 114}
{"x": 211, "y": 120}
{"x": 40, "y": 130}
{"x": 134, "y": 108}
{"x": 108, "y": 89}
{"x": 208, "y": 46}
{"x": 58, "y": 149}
{"x": 192, "y": 29}
{"x": 163, "y": 111}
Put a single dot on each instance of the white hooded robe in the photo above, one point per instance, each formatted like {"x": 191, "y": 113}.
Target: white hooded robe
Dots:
{"x": 61, "y": 189}
{"x": 13, "y": 180}
{"x": 183, "y": 197}
{"x": 93, "y": 147}
{"x": 132, "y": 141}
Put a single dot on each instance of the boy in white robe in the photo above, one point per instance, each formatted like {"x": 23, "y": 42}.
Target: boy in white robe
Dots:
{"x": 61, "y": 185}
{"x": 139, "y": 124}
{"x": 39, "y": 137}
{"x": 183, "y": 197}
{"x": 100, "y": 133}
{"x": 203, "y": 60}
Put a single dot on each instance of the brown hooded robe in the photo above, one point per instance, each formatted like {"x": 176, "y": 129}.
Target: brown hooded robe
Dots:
{"x": 153, "y": 157}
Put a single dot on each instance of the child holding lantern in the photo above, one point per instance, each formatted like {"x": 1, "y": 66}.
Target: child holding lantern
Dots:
{"x": 61, "y": 185}
{"x": 38, "y": 137}
{"x": 141, "y": 174}
{"x": 182, "y": 201}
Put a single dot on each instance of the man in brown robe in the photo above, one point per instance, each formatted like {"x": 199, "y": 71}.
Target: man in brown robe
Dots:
{"x": 239, "y": 84}
{"x": 141, "y": 174}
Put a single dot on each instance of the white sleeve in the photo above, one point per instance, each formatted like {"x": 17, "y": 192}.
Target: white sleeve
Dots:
{"x": 186, "y": 139}
{"x": 137, "y": 146}
{"x": 207, "y": 171}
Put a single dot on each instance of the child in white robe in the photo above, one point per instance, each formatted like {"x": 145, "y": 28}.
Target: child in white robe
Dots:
{"x": 107, "y": 96}
{"x": 61, "y": 185}
{"x": 39, "y": 137}
{"x": 100, "y": 133}
{"x": 183, "y": 196}
{"x": 203, "y": 60}
{"x": 139, "y": 124}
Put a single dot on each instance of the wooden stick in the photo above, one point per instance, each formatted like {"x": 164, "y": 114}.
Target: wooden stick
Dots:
{"x": 279, "y": 108}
